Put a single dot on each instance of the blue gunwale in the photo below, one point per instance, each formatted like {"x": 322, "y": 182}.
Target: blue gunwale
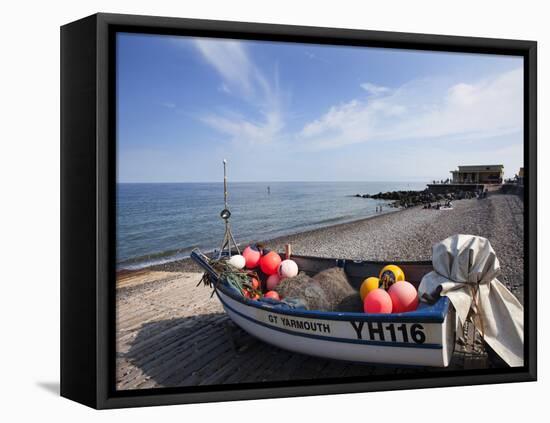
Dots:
{"x": 424, "y": 314}
{"x": 333, "y": 339}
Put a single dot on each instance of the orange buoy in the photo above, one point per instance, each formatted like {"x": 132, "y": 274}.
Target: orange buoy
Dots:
{"x": 272, "y": 294}
{"x": 368, "y": 285}
{"x": 255, "y": 283}
{"x": 251, "y": 295}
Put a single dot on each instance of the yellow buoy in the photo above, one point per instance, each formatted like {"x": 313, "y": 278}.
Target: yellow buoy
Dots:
{"x": 391, "y": 274}
{"x": 368, "y": 285}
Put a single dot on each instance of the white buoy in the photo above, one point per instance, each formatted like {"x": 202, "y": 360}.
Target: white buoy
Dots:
{"x": 288, "y": 269}
{"x": 237, "y": 261}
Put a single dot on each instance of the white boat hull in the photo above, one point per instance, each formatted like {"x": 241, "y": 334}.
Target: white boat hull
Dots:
{"x": 424, "y": 337}
{"x": 391, "y": 339}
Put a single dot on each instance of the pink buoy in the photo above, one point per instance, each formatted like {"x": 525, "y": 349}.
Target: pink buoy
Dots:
{"x": 272, "y": 282}
{"x": 403, "y": 296}
{"x": 287, "y": 269}
{"x": 251, "y": 256}
{"x": 377, "y": 301}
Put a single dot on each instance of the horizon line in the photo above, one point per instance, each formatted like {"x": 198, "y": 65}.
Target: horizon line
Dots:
{"x": 257, "y": 182}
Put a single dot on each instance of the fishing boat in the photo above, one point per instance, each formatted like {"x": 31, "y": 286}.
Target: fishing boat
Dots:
{"x": 424, "y": 337}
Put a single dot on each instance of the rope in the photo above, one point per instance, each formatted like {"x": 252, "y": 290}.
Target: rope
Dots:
{"x": 476, "y": 310}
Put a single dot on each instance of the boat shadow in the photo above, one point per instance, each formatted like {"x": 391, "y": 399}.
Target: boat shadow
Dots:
{"x": 209, "y": 349}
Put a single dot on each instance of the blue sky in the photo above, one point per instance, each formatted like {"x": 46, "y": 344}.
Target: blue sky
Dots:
{"x": 301, "y": 112}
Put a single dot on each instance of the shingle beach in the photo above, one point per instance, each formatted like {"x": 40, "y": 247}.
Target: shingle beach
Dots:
{"x": 409, "y": 234}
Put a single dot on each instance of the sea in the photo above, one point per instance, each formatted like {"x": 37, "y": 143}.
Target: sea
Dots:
{"x": 162, "y": 222}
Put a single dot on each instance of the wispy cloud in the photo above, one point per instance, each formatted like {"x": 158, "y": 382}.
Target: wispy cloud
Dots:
{"x": 242, "y": 78}
{"x": 224, "y": 88}
{"x": 246, "y": 130}
{"x": 231, "y": 61}
{"x": 374, "y": 89}
{"x": 423, "y": 109}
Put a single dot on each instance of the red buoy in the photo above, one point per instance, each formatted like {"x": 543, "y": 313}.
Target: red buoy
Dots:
{"x": 269, "y": 263}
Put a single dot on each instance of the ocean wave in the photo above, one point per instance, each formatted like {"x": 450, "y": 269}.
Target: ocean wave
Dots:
{"x": 136, "y": 263}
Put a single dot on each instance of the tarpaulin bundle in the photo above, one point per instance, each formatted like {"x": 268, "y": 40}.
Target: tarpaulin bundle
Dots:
{"x": 466, "y": 270}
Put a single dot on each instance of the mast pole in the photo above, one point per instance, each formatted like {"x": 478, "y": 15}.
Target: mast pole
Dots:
{"x": 225, "y": 215}
{"x": 225, "y": 183}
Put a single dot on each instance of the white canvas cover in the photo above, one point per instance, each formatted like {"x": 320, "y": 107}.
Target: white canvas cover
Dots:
{"x": 466, "y": 270}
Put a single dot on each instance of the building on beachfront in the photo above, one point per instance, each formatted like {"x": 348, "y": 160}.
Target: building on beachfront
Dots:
{"x": 519, "y": 176}
{"x": 478, "y": 174}
{"x": 473, "y": 178}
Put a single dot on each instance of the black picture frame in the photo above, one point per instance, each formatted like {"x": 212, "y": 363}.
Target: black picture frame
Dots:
{"x": 88, "y": 200}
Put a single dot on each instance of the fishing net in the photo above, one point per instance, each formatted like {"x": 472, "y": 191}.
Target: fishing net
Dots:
{"x": 304, "y": 288}
{"x": 335, "y": 285}
{"x": 328, "y": 290}
{"x": 351, "y": 303}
